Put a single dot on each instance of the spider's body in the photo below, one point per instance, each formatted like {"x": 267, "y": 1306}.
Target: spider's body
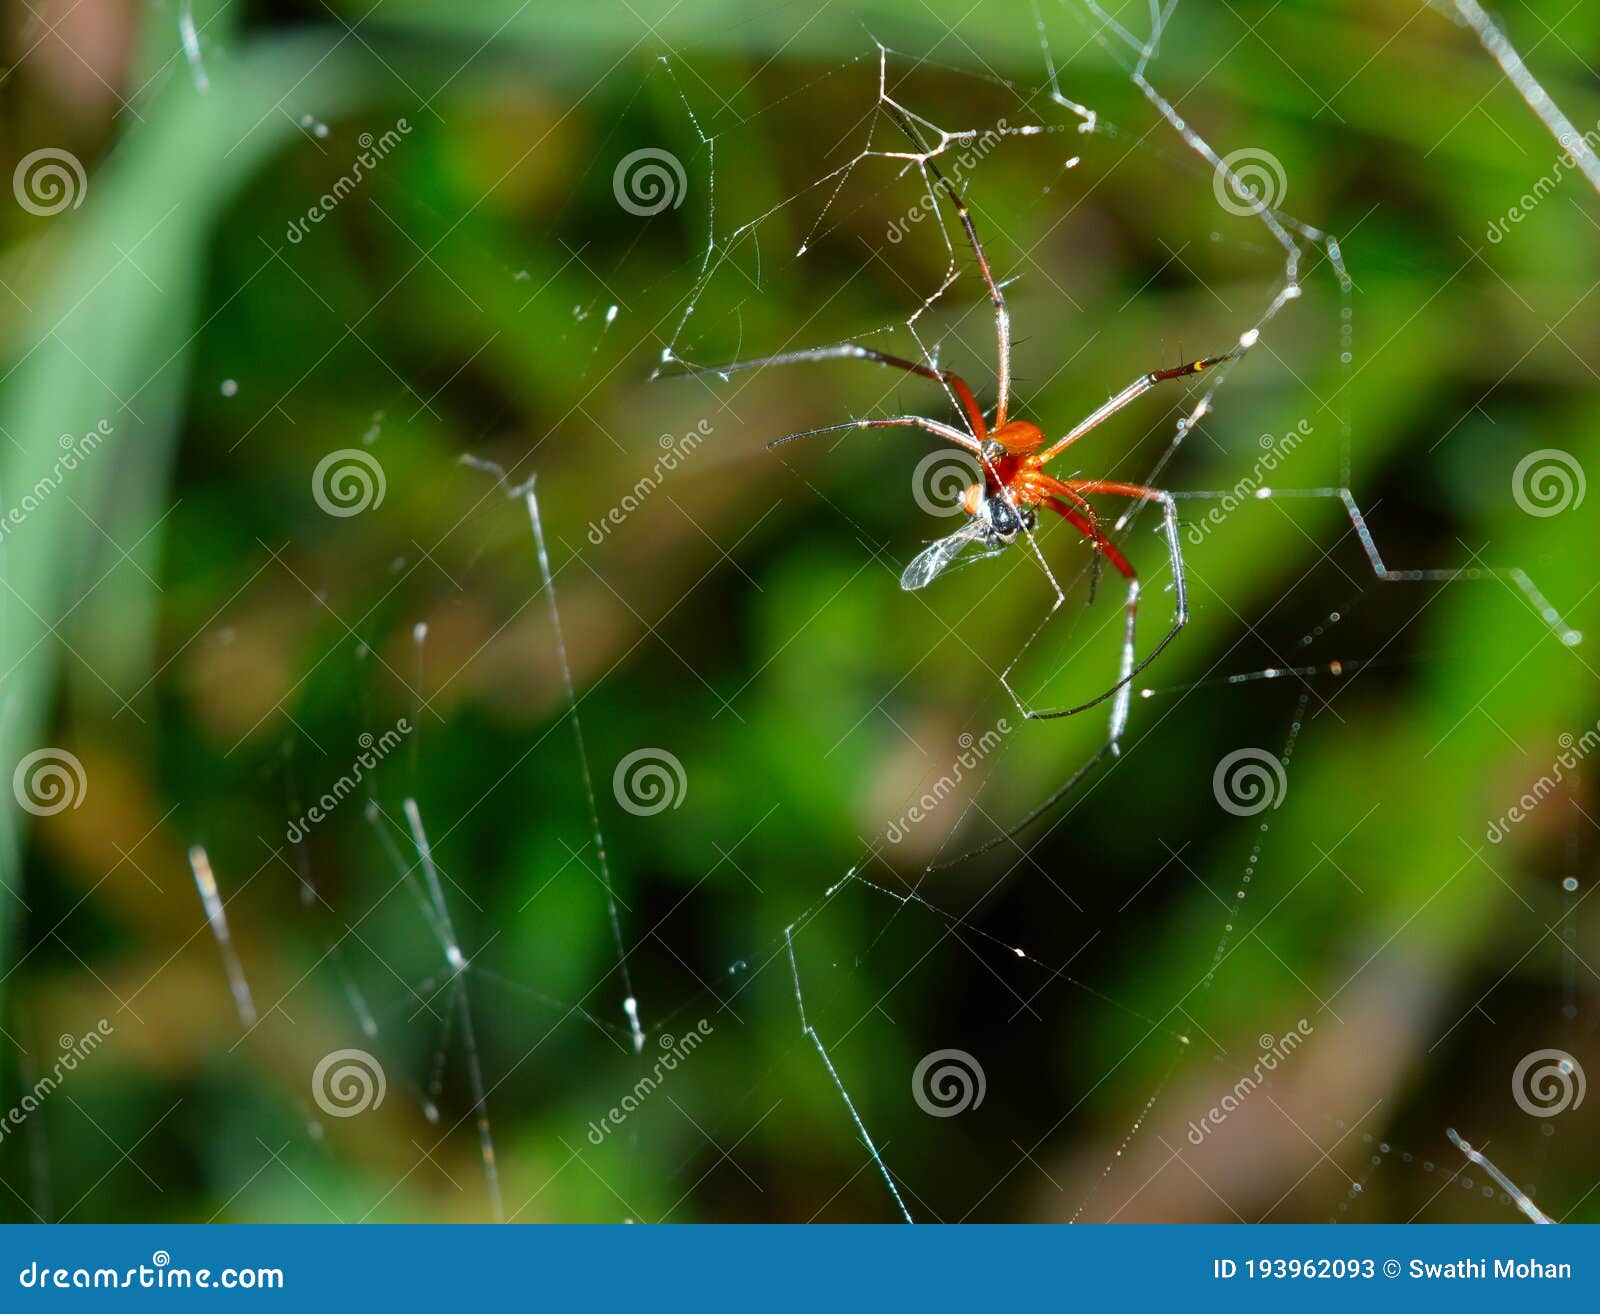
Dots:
{"x": 1018, "y": 437}
{"x": 1009, "y": 479}
{"x": 1015, "y": 485}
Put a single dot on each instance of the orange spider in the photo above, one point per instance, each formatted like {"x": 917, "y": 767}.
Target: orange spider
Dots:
{"x": 1013, "y": 454}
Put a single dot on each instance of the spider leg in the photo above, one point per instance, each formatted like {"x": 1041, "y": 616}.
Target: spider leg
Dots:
{"x": 852, "y": 351}
{"x": 1095, "y": 537}
{"x": 1180, "y": 604}
{"x": 1002, "y": 316}
{"x": 1071, "y": 492}
{"x": 1131, "y": 666}
{"x": 1132, "y": 393}
{"x": 898, "y": 421}
{"x": 1043, "y": 809}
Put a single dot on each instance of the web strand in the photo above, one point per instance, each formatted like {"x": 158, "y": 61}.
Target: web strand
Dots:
{"x": 217, "y": 918}
{"x": 1519, "y": 1197}
{"x": 1530, "y": 89}
{"x": 457, "y": 962}
{"x": 809, "y": 1031}
{"x": 630, "y": 1001}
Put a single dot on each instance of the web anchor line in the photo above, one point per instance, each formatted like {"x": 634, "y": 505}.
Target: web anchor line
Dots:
{"x": 217, "y": 918}
{"x": 1519, "y": 1197}
{"x": 524, "y": 492}
{"x": 458, "y": 983}
{"x": 1529, "y": 88}
{"x": 1513, "y": 575}
{"x": 808, "y": 1030}
{"x": 1292, "y": 234}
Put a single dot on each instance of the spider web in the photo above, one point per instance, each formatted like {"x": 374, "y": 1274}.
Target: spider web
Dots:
{"x": 895, "y": 905}
{"x": 943, "y": 321}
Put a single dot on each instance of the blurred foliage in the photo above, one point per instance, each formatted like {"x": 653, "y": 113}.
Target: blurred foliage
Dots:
{"x": 183, "y": 618}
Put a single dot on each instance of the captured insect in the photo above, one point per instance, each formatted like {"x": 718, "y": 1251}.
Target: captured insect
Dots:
{"x": 1013, "y": 453}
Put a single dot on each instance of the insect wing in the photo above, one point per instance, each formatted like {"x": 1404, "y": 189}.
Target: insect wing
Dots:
{"x": 928, "y": 564}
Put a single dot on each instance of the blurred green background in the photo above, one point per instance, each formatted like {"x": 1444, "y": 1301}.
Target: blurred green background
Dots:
{"x": 182, "y": 617}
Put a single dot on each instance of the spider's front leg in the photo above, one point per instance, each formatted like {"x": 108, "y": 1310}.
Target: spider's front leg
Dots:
{"x": 892, "y": 422}
{"x": 1138, "y": 388}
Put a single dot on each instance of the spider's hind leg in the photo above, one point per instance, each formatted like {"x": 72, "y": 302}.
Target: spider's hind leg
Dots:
{"x": 1066, "y": 502}
{"x": 1121, "y": 692}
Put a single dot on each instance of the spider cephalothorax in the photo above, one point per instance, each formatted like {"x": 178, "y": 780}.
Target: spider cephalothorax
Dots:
{"x": 1010, "y": 480}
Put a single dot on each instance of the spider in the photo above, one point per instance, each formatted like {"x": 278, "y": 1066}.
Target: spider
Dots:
{"x": 1013, "y": 454}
